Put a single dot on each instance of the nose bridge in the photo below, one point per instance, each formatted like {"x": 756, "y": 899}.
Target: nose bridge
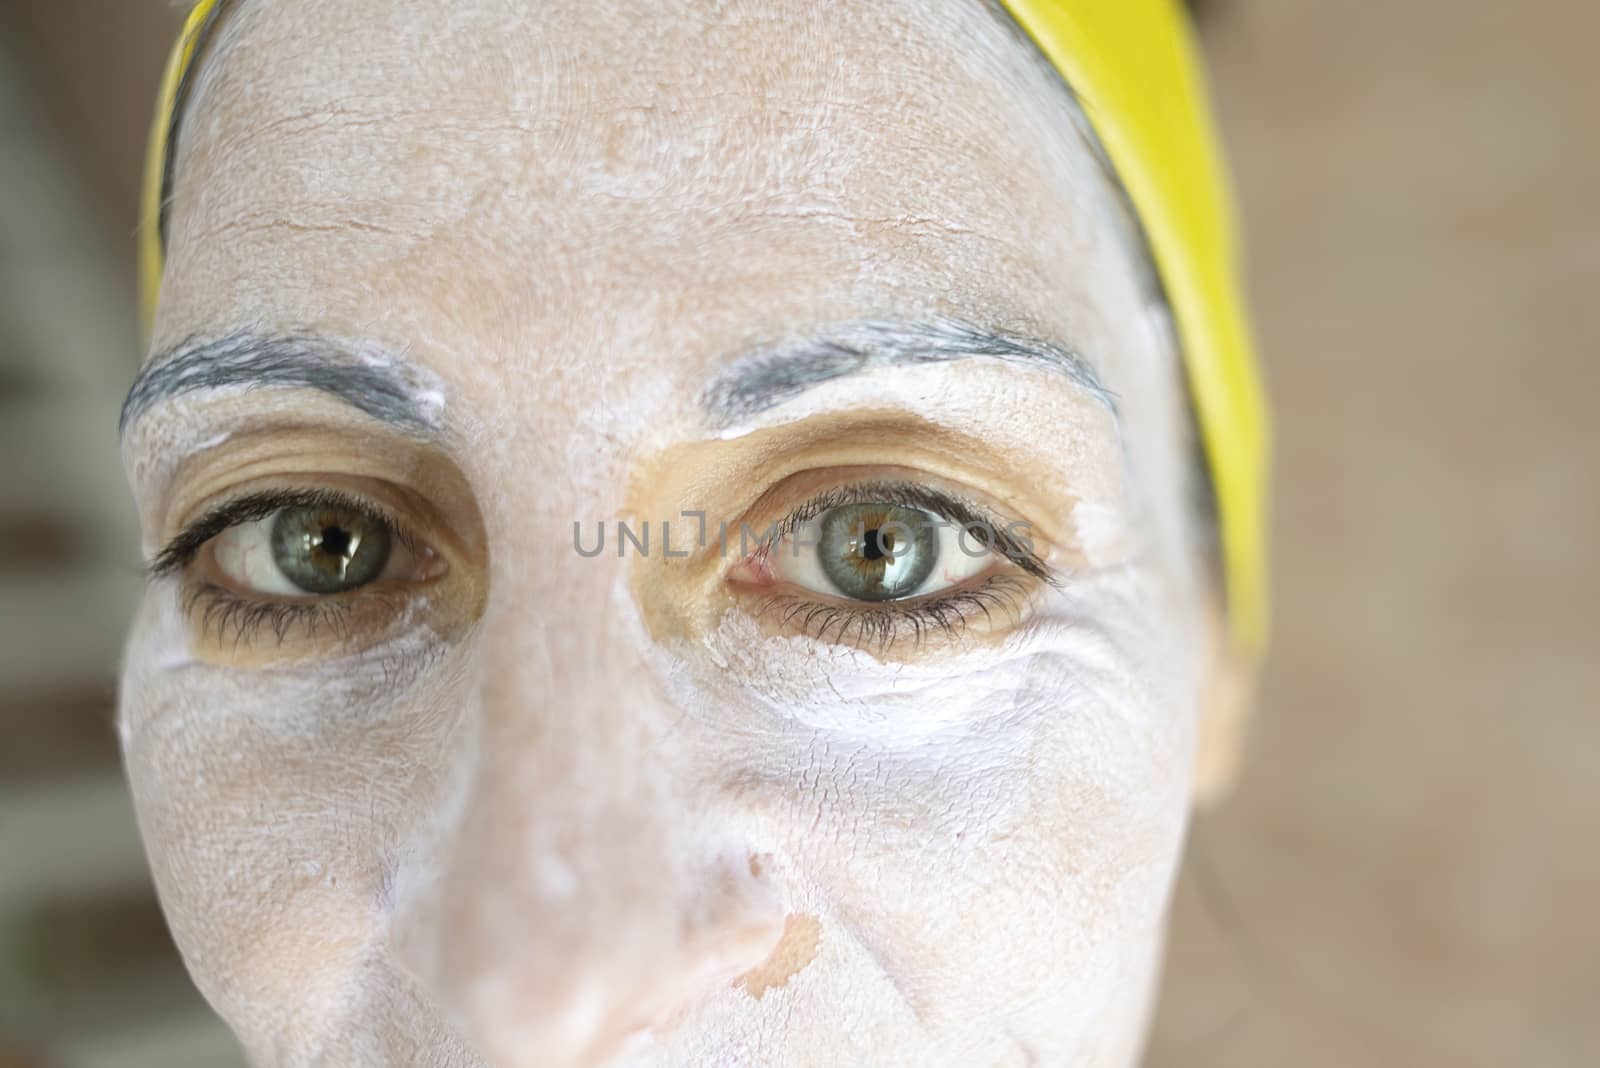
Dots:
{"x": 584, "y": 893}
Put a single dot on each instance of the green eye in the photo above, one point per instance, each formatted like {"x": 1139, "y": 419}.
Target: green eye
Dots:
{"x": 877, "y": 552}
{"x": 328, "y": 549}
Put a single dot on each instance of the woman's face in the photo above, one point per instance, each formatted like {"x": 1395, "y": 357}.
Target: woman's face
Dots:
{"x": 424, "y": 779}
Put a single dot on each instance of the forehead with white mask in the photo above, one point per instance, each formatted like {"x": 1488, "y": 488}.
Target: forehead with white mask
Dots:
{"x": 673, "y": 543}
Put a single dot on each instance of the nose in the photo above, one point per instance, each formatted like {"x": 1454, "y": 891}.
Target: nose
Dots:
{"x": 585, "y": 887}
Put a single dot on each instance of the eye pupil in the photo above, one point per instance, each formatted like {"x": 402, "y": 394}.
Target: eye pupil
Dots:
{"x": 877, "y": 545}
{"x": 333, "y": 541}
{"x": 329, "y": 550}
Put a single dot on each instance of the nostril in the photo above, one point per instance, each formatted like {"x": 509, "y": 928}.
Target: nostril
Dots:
{"x": 736, "y": 924}
{"x": 728, "y": 926}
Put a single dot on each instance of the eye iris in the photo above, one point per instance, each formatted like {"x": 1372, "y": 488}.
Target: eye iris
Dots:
{"x": 877, "y": 552}
{"x": 329, "y": 550}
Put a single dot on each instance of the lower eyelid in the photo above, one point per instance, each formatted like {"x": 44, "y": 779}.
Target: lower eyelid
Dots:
{"x": 246, "y": 631}
{"x": 227, "y": 618}
{"x": 265, "y": 625}
{"x": 999, "y": 601}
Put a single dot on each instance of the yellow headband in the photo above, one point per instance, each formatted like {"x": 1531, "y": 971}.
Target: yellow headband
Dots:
{"x": 1132, "y": 64}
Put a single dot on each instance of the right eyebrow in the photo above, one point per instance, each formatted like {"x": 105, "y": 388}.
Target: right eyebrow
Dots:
{"x": 374, "y": 382}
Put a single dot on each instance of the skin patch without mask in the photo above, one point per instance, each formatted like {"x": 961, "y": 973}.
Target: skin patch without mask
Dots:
{"x": 944, "y": 433}
{"x": 797, "y": 948}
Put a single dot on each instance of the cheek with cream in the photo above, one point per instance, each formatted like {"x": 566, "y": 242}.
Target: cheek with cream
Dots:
{"x": 987, "y": 840}
{"x": 280, "y": 810}
{"x": 973, "y": 851}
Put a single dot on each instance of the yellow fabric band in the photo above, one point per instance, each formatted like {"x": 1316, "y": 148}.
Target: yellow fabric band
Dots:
{"x": 152, "y": 242}
{"x": 1134, "y": 67}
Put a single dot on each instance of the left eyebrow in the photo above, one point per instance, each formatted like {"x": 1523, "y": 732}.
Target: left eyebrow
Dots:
{"x": 379, "y": 384}
{"x": 762, "y": 380}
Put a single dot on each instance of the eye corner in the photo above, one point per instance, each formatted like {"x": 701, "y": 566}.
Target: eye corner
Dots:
{"x": 754, "y": 571}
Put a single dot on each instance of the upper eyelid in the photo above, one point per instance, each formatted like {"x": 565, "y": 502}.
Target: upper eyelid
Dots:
{"x": 882, "y": 491}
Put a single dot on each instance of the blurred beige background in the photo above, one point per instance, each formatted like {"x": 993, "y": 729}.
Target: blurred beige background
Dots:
{"x": 1408, "y": 873}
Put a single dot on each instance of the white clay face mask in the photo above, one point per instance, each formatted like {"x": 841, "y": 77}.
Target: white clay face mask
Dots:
{"x": 424, "y": 780}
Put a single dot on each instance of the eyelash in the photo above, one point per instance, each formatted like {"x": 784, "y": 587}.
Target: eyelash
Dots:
{"x": 884, "y": 623}
{"x": 244, "y": 618}
{"x": 241, "y": 617}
